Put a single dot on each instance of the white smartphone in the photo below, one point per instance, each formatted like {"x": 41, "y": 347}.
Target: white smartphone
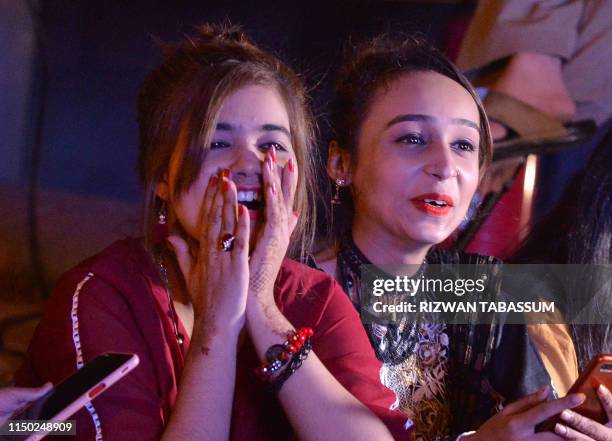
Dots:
{"x": 74, "y": 392}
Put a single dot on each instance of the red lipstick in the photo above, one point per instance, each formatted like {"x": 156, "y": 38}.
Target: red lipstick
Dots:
{"x": 433, "y": 204}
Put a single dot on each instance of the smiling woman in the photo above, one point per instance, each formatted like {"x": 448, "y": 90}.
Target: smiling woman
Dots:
{"x": 411, "y": 141}
{"x": 235, "y": 340}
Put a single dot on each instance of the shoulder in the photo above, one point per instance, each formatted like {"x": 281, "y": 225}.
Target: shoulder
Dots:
{"x": 103, "y": 304}
{"x": 123, "y": 266}
{"x": 118, "y": 282}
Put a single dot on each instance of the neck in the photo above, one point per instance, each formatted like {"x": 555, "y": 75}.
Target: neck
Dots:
{"x": 385, "y": 249}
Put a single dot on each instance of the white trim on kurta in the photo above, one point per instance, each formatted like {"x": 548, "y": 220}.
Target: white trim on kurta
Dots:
{"x": 76, "y": 338}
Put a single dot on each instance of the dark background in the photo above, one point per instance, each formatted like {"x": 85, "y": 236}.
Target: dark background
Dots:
{"x": 91, "y": 56}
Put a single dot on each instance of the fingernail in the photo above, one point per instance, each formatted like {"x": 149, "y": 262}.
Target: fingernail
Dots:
{"x": 273, "y": 187}
{"x": 602, "y": 390}
{"x": 273, "y": 154}
{"x": 291, "y": 165}
{"x": 240, "y": 209}
{"x": 226, "y": 172}
{"x": 561, "y": 430}
{"x": 213, "y": 180}
{"x": 567, "y": 415}
{"x": 296, "y": 214}
{"x": 225, "y": 185}
{"x": 543, "y": 392}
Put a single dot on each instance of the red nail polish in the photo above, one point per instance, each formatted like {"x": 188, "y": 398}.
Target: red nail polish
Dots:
{"x": 213, "y": 180}
{"x": 296, "y": 214}
{"x": 273, "y": 154}
{"x": 291, "y": 165}
{"x": 225, "y": 185}
{"x": 240, "y": 209}
{"x": 226, "y": 172}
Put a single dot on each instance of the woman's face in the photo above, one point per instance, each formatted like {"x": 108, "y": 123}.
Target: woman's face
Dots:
{"x": 252, "y": 120}
{"x": 417, "y": 160}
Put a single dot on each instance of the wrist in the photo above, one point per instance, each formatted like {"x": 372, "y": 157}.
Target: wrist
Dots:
{"x": 228, "y": 330}
{"x": 261, "y": 298}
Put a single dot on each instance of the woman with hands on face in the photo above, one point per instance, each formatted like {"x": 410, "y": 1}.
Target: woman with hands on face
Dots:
{"x": 236, "y": 341}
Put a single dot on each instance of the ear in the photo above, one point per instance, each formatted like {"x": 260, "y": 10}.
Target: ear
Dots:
{"x": 163, "y": 189}
{"x": 338, "y": 163}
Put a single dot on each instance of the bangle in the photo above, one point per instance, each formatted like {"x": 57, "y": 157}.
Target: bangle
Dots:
{"x": 295, "y": 363}
{"x": 278, "y": 356}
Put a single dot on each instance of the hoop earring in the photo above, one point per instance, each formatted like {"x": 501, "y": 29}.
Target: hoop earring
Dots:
{"x": 160, "y": 229}
{"x": 339, "y": 183}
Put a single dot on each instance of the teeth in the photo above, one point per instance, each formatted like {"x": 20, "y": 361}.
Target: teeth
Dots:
{"x": 435, "y": 202}
{"x": 248, "y": 196}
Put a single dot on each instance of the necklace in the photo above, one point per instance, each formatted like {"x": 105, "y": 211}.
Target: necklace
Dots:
{"x": 393, "y": 343}
{"x": 163, "y": 272}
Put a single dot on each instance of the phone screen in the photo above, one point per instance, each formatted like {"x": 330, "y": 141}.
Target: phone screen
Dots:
{"x": 69, "y": 390}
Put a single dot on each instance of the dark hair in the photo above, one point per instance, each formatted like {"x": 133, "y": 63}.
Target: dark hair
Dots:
{"x": 368, "y": 67}
{"x": 179, "y": 103}
{"x": 579, "y": 231}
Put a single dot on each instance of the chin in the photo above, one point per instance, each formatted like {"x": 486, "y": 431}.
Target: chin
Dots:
{"x": 430, "y": 237}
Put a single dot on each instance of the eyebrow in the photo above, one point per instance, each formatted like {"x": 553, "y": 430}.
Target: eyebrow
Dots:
{"x": 429, "y": 118}
{"x": 226, "y": 127}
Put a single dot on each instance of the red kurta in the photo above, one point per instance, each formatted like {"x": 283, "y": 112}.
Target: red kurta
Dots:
{"x": 115, "y": 302}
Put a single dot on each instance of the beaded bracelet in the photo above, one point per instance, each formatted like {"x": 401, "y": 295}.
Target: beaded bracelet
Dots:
{"x": 278, "y": 356}
{"x": 295, "y": 363}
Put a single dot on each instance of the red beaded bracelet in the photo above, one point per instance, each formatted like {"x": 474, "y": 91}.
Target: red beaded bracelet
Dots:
{"x": 278, "y": 355}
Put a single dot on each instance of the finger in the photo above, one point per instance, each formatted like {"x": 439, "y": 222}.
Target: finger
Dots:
{"x": 527, "y": 402}
{"x": 183, "y": 256}
{"x": 289, "y": 180}
{"x": 23, "y": 395}
{"x": 215, "y": 219}
{"x": 606, "y": 400}
{"x": 270, "y": 191}
{"x": 209, "y": 195}
{"x": 543, "y": 411}
{"x": 570, "y": 434}
{"x": 586, "y": 425}
{"x": 230, "y": 207}
{"x": 243, "y": 225}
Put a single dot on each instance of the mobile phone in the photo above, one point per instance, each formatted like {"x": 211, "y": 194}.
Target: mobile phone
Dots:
{"x": 74, "y": 392}
{"x": 598, "y": 371}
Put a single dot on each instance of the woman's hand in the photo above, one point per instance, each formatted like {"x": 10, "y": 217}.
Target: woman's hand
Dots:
{"x": 518, "y": 420}
{"x": 217, "y": 280}
{"x": 583, "y": 428}
{"x": 280, "y": 221}
{"x": 14, "y": 398}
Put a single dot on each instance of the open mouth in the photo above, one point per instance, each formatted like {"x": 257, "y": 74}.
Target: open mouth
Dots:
{"x": 251, "y": 199}
{"x": 435, "y": 203}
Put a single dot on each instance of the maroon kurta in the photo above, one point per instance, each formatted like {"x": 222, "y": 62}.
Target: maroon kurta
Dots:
{"x": 115, "y": 302}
